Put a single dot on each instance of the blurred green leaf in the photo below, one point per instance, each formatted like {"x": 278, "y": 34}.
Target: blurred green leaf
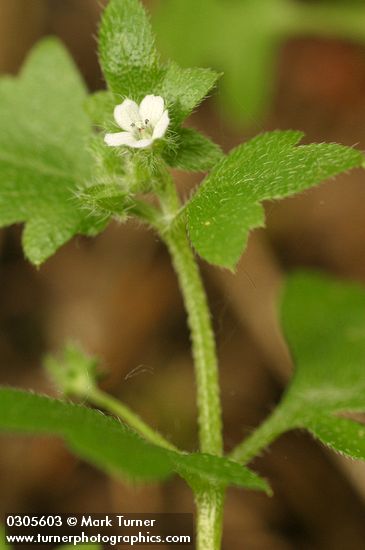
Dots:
{"x": 43, "y": 159}
{"x": 227, "y": 204}
{"x": 112, "y": 446}
{"x": 324, "y": 323}
{"x": 100, "y": 439}
{"x": 243, "y": 39}
{"x": 193, "y": 152}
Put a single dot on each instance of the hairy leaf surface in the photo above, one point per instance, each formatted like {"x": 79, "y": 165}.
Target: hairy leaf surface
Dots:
{"x": 43, "y": 153}
{"x": 111, "y": 445}
{"x": 184, "y": 89}
{"x": 271, "y": 166}
{"x": 127, "y": 52}
{"x": 193, "y": 152}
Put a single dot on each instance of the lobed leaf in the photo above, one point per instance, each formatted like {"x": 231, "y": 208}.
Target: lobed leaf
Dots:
{"x": 112, "y": 446}
{"x": 43, "y": 158}
{"x": 227, "y": 205}
{"x": 324, "y": 324}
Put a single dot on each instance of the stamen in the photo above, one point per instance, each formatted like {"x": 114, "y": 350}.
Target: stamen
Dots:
{"x": 133, "y": 125}
{"x": 146, "y": 121}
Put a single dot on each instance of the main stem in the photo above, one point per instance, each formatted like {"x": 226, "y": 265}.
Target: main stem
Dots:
{"x": 209, "y": 501}
{"x": 203, "y": 344}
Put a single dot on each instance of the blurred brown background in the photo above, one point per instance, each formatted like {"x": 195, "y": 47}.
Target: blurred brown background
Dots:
{"x": 118, "y": 296}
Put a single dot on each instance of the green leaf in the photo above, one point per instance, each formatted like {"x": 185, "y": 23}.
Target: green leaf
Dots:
{"x": 200, "y": 469}
{"x": 227, "y": 205}
{"x": 193, "y": 152}
{"x": 340, "y": 434}
{"x": 184, "y": 89}
{"x": 111, "y": 446}
{"x": 127, "y": 52}
{"x": 325, "y": 326}
{"x": 102, "y": 440}
{"x": 327, "y": 340}
{"x": 43, "y": 159}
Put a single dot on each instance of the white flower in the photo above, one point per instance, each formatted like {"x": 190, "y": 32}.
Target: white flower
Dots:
{"x": 142, "y": 124}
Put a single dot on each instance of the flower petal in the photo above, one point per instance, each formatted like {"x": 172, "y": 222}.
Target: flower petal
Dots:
{"x": 120, "y": 138}
{"x": 161, "y": 126}
{"x": 141, "y": 143}
{"x": 151, "y": 109}
{"x": 126, "y": 114}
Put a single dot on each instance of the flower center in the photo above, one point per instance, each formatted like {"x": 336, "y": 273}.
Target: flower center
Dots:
{"x": 142, "y": 130}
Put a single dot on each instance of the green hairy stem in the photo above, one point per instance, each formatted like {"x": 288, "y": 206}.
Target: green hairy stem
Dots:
{"x": 203, "y": 344}
{"x": 209, "y": 505}
{"x": 209, "y": 502}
